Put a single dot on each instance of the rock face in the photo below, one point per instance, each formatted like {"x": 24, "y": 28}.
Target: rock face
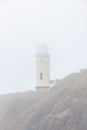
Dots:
{"x": 62, "y": 108}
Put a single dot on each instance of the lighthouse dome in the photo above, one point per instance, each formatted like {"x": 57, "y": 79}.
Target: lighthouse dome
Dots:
{"x": 42, "y": 50}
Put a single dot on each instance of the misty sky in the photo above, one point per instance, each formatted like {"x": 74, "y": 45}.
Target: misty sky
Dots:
{"x": 61, "y": 24}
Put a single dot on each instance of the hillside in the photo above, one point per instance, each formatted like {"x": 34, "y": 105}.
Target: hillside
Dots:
{"x": 64, "y": 107}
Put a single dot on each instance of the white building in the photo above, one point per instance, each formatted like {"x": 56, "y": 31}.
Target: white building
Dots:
{"x": 43, "y": 68}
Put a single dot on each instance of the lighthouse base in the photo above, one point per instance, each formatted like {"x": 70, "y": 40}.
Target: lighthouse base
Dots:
{"x": 42, "y": 88}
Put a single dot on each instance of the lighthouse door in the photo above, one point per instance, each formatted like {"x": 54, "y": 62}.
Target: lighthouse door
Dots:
{"x": 41, "y": 76}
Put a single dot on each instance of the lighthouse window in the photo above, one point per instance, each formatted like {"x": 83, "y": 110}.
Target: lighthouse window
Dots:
{"x": 41, "y": 76}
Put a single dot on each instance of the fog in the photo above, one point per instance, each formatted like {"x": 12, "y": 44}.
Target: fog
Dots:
{"x": 24, "y": 24}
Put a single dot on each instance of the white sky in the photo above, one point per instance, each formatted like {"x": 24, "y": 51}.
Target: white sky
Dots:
{"x": 62, "y": 24}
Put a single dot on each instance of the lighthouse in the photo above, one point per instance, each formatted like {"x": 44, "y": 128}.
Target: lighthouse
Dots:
{"x": 42, "y": 68}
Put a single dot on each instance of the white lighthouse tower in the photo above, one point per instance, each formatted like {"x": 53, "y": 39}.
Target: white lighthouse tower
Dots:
{"x": 43, "y": 68}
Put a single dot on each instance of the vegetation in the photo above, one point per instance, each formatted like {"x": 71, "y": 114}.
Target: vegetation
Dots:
{"x": 64, "y": 107}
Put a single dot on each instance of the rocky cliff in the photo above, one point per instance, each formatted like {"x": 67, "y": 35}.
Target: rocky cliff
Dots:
{"x": 64, "y": 107}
